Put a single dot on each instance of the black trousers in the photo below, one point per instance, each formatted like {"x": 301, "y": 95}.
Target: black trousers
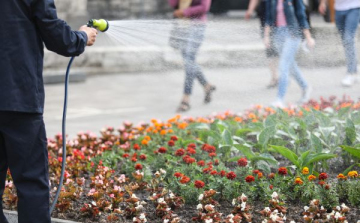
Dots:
{"x": 23, "y": 149}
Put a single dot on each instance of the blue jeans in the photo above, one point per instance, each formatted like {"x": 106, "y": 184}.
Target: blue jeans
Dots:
{"x": 194, "y": 39}
{"x": 347, "y": 23}
{"x": 288, "y": 47}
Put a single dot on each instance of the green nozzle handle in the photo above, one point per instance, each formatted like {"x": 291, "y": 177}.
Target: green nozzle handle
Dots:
{"x": 100, "y": 24}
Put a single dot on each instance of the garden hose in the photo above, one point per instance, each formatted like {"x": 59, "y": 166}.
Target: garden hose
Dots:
{"x": 102, "y": 25}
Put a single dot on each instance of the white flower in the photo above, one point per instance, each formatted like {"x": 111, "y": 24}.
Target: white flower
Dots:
{"x": 166, "y": 221}
{"x": 168, "y": 209}
{"x": 162, "y": 171}
{"x": 143, "y": 203}
{"x": 267, "y": 209}
{"x": 161, "y": 200}
{"x": 230, "y": 216}
{"x": 133, "y": 196}
{"x": 199, "y": 207}
{"x": 322, "y": 208}
{"x": 284, "y": 218}
{"x": 343, "y": 205}
{"x": 337, "y": 215}
{"x": 264, "y": 221}
{"x": 171, "y": 195}
{"x": 243, "y": 196}
{"x": 142, "y": 216}
{"x": 233, "y": 202}
{"x": 305, "y": 216}
{"x": 201, "y": 196}
{"x": 93, "y": 203}
{"x": 306, "y": 208}
{"x": 292, "y": 222}
{"x": 139, "y": 208}
{"x": 273, "y": 217}
{"x": 274, "y": 195}
{"x": 243, "y": 206}
{"x": 208, "y": 220}
{"x": 134, "y": 219}
{"x": 338, "y": 208}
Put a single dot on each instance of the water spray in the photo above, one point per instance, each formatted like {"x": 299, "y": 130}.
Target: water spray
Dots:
{"x": 102, "y": 25}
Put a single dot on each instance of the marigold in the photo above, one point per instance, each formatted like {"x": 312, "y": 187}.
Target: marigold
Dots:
{"x": 199, "y": 184}
{"x": 311, "y": 177}
{"x": 242, "y": 162}
{"x": 192, "y": 145}
{"x": 321, "y": 183}
{"x": 180, "y": 152}
{"x": 125, "y": 155}
{"x": 191, "y": 151}
{"x": 305, "y": 171}
{"x": 260, "y": 175}
{"x": 323, "y": 176}
{"x": 163, "y": 132}
{"x": 184, "y": 179}
{"x": 298, "y": 181}
{"x": 214, "y": 172}
{"x": 212, "y": 154}
{"x": 341, "y": 177}
{"x": 142, "y": 157}
{"x": 171, "y": 143}
{"x": 138, "y": 166}
{"x": 216, "y": 162}
{"x": 222, "y": 173}
{"x": 250, "y": 179}
{"x": 282, "y": 171}
{"x": 144, "y": 142}
{"x": 174, "y": 138}
{"x": 271, "y": 187}
{"x": 133, "y": 159}
{"x": 136, "y": 147}
{"x": 231, "y": 175}
{"x": 178, "y": 175}
{"x": 209, "y": 148}
{"x": 162, "y": 150}
{"x": 353, "y": 174}
{"x": 256, "y": 171}
{"x": 201, "y": 163}
{"x": 147, "y": 138}
{"x": 271, "y": 176}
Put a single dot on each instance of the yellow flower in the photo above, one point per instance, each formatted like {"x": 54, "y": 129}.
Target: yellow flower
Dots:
{"x": 298, "y": 181}
{"x": 353, "y": 174}
{"x": 341, "y": 176}
{"x": 305, "y": 171}
{"x": 312, "y": 177}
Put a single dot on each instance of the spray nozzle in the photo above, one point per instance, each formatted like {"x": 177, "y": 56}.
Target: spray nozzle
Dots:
{"x": 100, "y": 24}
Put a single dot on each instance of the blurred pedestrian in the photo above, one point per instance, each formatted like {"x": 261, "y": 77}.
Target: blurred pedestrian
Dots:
{"x": 23, "y": 144}
{"x": 271, "y": 52}
{"x": 347, "y": 16}
{"x": 190, "y": 37}
{"x": 288, "y": 19}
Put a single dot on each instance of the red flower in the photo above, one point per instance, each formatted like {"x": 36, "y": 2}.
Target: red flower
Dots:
{"x": 327, "y": 187}
{"x": 192, "y": 145}
{"x": 142, "y": 157}
{"x": 136, "y": 147}
{"x": 216, "y": 162}
{"x": 321, "y": 183}
{"x": 201, "y": 163}
{"x": 271, "y": 176}
{"x": 256, "y": 171}
{"x": 187, "y": 159}
{"x": 271, "y": 186}
{"x": 133, "y": 159}
{"x": 171, "y": 143}
{"x": 162, "y": 150}
{"x": 138, "y": 166}
{"x": 212, "y": 154}
{"x": 184, "y": 179}
{"x": 222, "y": 173}
{"x": 199, "y": 184}
{"x": 178, "y": 175}
{"x": 191, "y": 151}
{"x": 207, "y": 170}
{"x": 282, "y": 171}
{"x": 250, "y": 179}
{"x": 174, "y": 138}
{"x": 323, "y": 176}
{"x": 180, "y": 152}
{"x": 208, "y": 148}
{"x": 125, "y": 155}
{"x": 231, "y": 175}
{"x": 260, "y": 175}
{"x": 214, "y": 172}
{"x": 242, "y": 162}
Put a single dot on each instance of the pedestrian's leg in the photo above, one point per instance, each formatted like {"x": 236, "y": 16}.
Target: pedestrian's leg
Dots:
{"x": 190, "y": 69}
{"x": 26, "y": 148}
{"x": 348, "y": 38}
{"x": 3, "y": 171}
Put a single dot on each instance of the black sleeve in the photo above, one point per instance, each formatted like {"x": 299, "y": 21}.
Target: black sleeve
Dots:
{"x": 56, "y": 34}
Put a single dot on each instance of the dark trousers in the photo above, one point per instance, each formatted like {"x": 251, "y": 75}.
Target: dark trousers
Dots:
{"x": 23, "y": 149}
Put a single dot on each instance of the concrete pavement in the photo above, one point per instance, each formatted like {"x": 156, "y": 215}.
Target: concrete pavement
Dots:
{"x": 109, "y": 100}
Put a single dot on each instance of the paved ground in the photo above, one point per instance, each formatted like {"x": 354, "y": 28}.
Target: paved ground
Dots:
{"x": 109, "y": 100}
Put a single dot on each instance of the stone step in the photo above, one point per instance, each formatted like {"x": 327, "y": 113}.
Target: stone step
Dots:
{"x": 12, "y": 217}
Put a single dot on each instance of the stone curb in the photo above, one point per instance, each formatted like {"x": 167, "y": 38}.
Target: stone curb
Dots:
{"x": 12, "y": 217}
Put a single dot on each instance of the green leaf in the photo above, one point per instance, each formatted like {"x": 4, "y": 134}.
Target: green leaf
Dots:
{"x": 265, "y": 157}
{"x": 319, "y": 157}
{"x": 266, "y": 134}
{"x": 287, "y": 153}
{"x": 350, "y": 168}
{"x": 227, "y": 138}
{"x": 350, "y": 132}
{"x": 248, "y": 153}
{"x": 316, "y": 143}
{"x": 353, "y": 151}
{"x": 198, "y": 126}
{"x": 242, "y": 132}
{"x": 264, "y": 166}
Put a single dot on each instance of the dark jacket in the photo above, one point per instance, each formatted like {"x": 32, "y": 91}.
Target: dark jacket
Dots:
{"x": 25, "y": 25}
{"x": 294, "y": 12}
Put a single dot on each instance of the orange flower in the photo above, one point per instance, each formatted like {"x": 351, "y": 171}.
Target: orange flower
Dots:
{"x": 238, "y": 119}
{"x": 170, "y": 131}
{"x": 341, "y": 176}
{"x": 298, "y": 181}
{"x": 353, "y": 174}
{"x": 144, "y": 142}
{"x": 147, "y": 138}
{"x": 184, "y": 180}
{"x": 305, "y": 171}
{"x": 311, "y": 177}
{"x": 182, "y": 125}
{"x": 163, "y": 132}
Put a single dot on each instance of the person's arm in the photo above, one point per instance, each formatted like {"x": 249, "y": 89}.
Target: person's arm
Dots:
{"x": 303, "y": 22}
{"x": 252, "y": 6}
{"x": 197, "y": 10}
{"x": 322, "y": 7}
{"x": 56, "y": 34}
{"x": 267, "y": 24}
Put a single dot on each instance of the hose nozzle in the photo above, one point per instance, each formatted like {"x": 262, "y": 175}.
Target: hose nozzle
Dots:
{"x": 100, "y": 24}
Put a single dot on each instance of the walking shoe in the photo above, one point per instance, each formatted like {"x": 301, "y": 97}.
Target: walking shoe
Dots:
{"x": 278, "y": 104}
{"x": 306, "y": 95}
{"x": 349, "y": 80}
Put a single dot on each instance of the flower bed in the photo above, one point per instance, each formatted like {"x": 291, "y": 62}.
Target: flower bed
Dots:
{"x": 266, "y": 165}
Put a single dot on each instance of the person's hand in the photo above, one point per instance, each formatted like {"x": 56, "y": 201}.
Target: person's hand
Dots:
{"x": 322, "y": 8}
{"x": 267, "y": 42}
{"x": 248, "y": 14}
{"x": 179, "y": 13}
{"x": 310, "y": 43}
{"x": 91, "y": 34}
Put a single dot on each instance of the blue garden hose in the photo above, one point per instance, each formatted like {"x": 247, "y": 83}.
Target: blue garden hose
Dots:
{"x": 63, "y": 136}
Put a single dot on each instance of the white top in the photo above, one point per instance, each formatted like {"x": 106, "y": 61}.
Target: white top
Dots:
{"x": 343, "y": 5}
